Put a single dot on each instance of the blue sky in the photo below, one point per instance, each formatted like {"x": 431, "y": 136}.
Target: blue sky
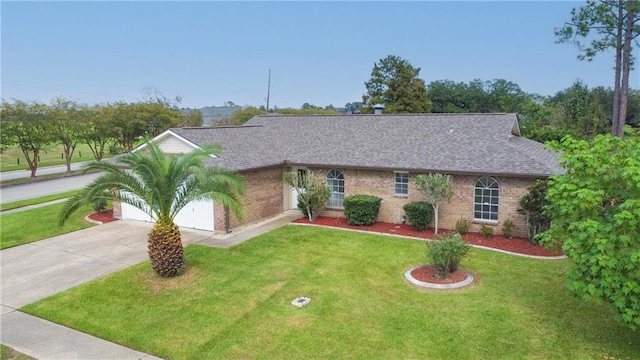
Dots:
{"x": 318, "y": 52}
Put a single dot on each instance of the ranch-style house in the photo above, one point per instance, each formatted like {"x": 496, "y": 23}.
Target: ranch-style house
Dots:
{"x": 491, "y": 163}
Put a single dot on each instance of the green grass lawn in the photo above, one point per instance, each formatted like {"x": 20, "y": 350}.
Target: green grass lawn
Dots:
{"x": 40, "y": 200}
{"x": 37, "y": 224}
{"x": 51, "y": 155}
{"x": 7, "y": 353}
{"x": 235, "y": 304}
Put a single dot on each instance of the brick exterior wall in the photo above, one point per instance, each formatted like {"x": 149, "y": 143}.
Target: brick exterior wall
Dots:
{"x": 263, "y": 197}
{"x": 381, "y": 184}
{"x": 117, "y": 210}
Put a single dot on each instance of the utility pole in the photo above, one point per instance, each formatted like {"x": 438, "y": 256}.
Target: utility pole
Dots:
{"x": 268, "y": 90}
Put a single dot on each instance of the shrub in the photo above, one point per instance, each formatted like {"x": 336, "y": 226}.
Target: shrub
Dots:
{"x": 419, "y": 214}
{"x": 508, "y": 227}
{"x": 532, "y": 207}
{"x": 463, "y": 226}
{"x": 361, "y": 209}
{"x": 446, "y": 253}
{"x": 486, "y": 231}
{"x": 99, "y": 205}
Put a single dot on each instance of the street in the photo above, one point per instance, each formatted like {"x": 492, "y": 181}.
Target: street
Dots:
{"x": 45, "y": 187}
{"x": 47, "y": 170}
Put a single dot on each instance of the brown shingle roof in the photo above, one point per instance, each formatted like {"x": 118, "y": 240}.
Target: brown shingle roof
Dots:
{"x": 449, "y": 143}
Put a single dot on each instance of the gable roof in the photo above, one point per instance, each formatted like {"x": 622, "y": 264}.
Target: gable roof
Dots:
{"x": 450, "y": 143}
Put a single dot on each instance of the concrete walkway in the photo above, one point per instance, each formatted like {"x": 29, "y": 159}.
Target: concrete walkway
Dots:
{"x": 34, "y": 271}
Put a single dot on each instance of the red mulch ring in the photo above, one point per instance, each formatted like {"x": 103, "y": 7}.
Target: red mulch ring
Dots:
{"x": 104, "y": 216}
{"x": 426, "y": 274}
{"x": 515, "y": 245}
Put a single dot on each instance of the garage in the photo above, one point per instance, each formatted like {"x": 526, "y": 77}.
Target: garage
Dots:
{"x": 196, "y": 215}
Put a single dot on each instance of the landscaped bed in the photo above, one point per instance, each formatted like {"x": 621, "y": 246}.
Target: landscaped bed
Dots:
{"x": 515, "y": 245}
{"x": 236, "y": 303}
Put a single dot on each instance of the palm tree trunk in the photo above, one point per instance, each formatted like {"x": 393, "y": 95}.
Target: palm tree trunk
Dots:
{"x": 165, "y": 249}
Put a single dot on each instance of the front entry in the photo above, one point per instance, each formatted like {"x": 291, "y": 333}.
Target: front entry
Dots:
{"x": 302, "y": 174}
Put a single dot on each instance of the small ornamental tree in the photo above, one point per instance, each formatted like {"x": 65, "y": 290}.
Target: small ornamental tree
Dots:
{"x": 312, "y": 192}
{"x": 435, "y": 188}
{"x": 595, "y": 207}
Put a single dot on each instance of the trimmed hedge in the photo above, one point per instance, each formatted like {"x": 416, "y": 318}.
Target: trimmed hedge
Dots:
{"x": 419, "y": 214}
{"x": 361, "y": 209}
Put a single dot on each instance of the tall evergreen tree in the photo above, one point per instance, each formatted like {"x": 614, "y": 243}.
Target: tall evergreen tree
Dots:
{"x": 616, "y": 24}
{"x": 395, "y": 84}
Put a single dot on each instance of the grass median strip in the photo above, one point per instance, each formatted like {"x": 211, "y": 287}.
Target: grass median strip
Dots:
{"x": 235, "y": 303}
{"x": 37, "y": 224}
{"x": 40, "y": 200}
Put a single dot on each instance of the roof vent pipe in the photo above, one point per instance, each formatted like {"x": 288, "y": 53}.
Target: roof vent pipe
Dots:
{"x": 450, "y": 129}
{"x": 377, "y": 109}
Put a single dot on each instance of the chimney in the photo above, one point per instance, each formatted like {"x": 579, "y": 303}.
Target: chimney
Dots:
{"x": 377, "y": 109}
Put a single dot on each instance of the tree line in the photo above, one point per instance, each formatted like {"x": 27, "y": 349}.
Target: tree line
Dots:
{"x": 578, "y": 110}
{"x": 596, "y": 27}
{"x": 114, "y": 127}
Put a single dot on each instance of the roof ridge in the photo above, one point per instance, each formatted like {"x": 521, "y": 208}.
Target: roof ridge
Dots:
{"x": 219, "y": 127}
{"x": 383, "y": 115}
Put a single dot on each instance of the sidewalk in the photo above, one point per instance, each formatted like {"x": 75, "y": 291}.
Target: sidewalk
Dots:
{"x": 34, "y": 271}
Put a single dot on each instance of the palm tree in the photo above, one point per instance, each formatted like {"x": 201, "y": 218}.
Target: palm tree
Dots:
{"x": 160, "y": 185}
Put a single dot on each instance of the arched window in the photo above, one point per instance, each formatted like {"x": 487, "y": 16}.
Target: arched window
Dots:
{"x": 335, "y": 180}
{"x": 487, "y": 199}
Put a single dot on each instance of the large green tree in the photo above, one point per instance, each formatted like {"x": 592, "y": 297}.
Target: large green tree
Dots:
{"x": 98, "y": 130}
{"x": 395, "y": 84}
{"x": 478, "y": 96}
{"x": 161, "y": 185}
{"x": 28, "y": 126}
{"x": 605, "y": 25}
{"x": 67, "y": 125}
{"x": 127, "y": 126}
{"x": 595, "y": 207}
{"x": 580, "y": 111}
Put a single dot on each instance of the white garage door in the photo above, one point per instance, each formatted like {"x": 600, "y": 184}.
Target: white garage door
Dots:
{"x": 196, "y": 215}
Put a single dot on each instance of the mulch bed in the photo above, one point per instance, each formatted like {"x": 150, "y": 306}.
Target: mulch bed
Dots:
{"x": 426, "y": 274}
{"x": 104, "y": 216}
{"x": 516, "y": 245}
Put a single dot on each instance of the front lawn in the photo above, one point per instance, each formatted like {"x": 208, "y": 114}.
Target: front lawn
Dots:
{"x": 37, "y": 224}
{"x": 235, "y": 303}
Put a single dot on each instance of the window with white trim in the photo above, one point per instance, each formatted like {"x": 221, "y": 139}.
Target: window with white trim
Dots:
{"x": 486, "y": 199}
{"x": 335, "y": 181}
{"x": 401, "y": 183}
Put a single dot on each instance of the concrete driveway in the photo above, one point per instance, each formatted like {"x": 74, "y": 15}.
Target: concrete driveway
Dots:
{"x": 33, "y": 271}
